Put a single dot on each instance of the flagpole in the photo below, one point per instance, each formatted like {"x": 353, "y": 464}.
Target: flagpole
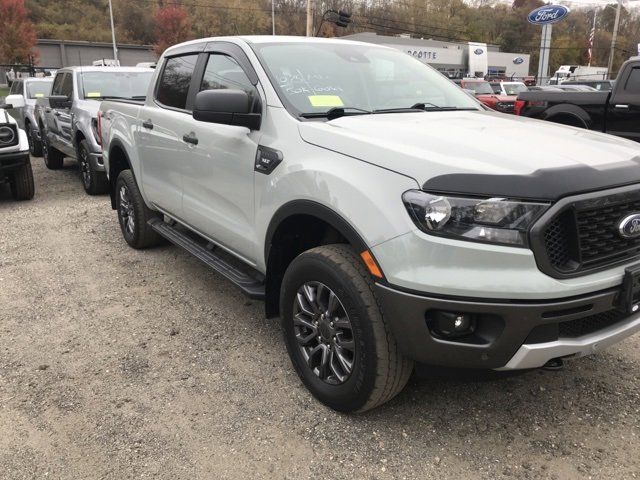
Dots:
{"x": 592, "y": 37}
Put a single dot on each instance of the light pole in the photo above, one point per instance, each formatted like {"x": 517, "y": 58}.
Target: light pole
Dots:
{"x": 273, "y": 17}
{"x": 614, "y": 37}
{"x": 309, "y": 18}
{"x": 113, "y": 35}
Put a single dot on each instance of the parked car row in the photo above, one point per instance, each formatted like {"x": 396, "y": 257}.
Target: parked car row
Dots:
{"x": 385, "y": 215}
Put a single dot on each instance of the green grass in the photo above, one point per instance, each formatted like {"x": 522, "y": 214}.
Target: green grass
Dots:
{"x": 4, "y": 91}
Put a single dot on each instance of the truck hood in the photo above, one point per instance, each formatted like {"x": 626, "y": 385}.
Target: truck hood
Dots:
{"x": 479, "y": 150}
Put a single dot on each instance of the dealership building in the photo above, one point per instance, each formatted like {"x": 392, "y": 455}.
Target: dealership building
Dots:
{"x": 455, "y": 60}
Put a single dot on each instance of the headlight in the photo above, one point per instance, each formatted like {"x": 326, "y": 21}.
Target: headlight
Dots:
{"x": 490, "y": 220}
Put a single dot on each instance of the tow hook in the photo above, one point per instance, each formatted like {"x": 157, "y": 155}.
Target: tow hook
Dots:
{"x": 554, "y": 365}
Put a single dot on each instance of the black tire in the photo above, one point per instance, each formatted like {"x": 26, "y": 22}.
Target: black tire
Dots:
{"x": 379, "y": 371}
{"x": 94, "y": 182}
{"x": 22, "y": 185}
{"x": 53, "y": 159}
{"x": 130, "y": 204}
{"x": 35, "y": 145}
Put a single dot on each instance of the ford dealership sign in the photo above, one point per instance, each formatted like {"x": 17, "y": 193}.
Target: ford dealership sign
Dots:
{"x": 548, "y": 14}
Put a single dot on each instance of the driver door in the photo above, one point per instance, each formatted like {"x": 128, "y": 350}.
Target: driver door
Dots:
{"x": 218, "y": 172}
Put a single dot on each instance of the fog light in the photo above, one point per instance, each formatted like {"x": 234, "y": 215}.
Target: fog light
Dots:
{"x": 450, "y": 324}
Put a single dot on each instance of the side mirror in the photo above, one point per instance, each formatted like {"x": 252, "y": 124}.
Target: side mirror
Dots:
{"x": 16, "y": 101}
{"x": 59, "y": 101}
{"x": 228, "y": 107}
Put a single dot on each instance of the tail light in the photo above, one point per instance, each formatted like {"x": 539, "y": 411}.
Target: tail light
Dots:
{"x": 520, "y": 104}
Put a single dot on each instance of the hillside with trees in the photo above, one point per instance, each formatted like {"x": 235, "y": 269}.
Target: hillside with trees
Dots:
{"x": 162, "y": 22}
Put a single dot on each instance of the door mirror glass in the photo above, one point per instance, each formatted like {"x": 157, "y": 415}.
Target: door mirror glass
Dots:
{"x": 59, "y": 101}
{"x": 16, "y": 101}
{"x": 228, "y": 107}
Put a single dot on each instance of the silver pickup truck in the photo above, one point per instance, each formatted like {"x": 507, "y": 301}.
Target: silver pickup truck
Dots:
{"x": 22, "y": 97}
{"x": 67, "y": 118}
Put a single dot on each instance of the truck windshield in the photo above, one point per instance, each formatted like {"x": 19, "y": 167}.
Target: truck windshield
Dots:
{"x": 39, "y": 89}
{"x": 313, "y": 78}
{"x": 514, "y": 88}
{"x": 102, "y": 84}
{"x": 479, "y": 88}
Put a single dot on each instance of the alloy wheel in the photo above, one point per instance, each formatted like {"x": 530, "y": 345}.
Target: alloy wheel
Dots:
{"x": 126, "y": 211}
{"x": 324, "y": 333}
{"x": 85, "y": 168}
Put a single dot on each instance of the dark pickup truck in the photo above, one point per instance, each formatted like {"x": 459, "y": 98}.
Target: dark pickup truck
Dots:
{"x": 616, "y": 112}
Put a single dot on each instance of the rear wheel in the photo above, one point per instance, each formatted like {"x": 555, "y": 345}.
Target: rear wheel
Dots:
{"x": 53, "y": 158}
{"x": 133, "y": 214}
{"x": 336, "y": 335}
{"x": 22, "y": 184}
{"x": 94, "y": 182}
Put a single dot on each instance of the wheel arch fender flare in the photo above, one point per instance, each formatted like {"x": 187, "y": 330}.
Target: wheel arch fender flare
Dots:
{"x": 116, "y": 144}
{"x": 313, "y": 209}
{"x": 570, "y": 111}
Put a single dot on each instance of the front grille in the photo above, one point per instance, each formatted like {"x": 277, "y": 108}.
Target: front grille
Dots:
{"x": 585, "y": 236}
{"x": 591, "y": 324}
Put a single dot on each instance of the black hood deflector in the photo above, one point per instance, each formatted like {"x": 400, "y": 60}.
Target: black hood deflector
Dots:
{"x": 545, "y": 184}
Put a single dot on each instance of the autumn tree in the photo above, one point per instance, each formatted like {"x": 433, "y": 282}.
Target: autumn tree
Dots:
{"x": 17, "y": 34}
{"x": 172, "y": 25}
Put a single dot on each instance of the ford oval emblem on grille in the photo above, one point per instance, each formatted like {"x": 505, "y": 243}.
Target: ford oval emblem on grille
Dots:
{"x": 629, "y": 227}
{"x": 6, "y": 135}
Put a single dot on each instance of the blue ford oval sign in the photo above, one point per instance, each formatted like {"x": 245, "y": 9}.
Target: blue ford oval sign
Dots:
{"x": 629, "y": 226}
{"x": 478, "y": 51}
{"x": 518, "y": 60}
{"x": 548, "y": 14}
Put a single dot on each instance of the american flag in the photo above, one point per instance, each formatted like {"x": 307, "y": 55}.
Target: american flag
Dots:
{"x": 592, "y": 36}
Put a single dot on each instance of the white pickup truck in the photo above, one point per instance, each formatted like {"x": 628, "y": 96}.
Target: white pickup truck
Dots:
{"x": 385, "y": 216}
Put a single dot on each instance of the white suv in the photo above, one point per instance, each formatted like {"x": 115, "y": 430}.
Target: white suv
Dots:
{"x": 385, "y": 215}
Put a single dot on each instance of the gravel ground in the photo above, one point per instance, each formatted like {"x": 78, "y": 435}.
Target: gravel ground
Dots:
{"x": 116, "y": 363}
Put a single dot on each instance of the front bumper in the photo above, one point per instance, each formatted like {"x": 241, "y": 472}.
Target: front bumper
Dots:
{"x": 509, "y": 334}
{"x": 12, "y": 161}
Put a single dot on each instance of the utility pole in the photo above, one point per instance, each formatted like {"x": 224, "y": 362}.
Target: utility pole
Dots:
{"x": 310, "y": 18}
{"x": 113, "y": 34}
{"x": 273, "y": 17}
{"x": 614, "y": 37}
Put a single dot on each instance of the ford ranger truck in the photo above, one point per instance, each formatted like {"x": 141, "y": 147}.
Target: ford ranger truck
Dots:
{"x": 15, "y": 163}
{"x": 380, "y": 211}
{"x": 23, "y": 95}
{"x": 68, "y": 122}
{"x": 616, "y": 112}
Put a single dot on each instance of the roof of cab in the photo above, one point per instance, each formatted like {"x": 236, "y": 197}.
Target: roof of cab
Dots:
{"x": 90, "y": 69}
{"x": 258, "y": 39}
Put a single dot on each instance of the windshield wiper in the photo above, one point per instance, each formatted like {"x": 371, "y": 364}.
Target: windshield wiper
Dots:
{"x": 432, "y": 107}
{"x": 337, "y": 112}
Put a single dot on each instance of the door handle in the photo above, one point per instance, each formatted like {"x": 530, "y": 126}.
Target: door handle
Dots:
{"x": 148, "y": 124}
{"x": 57, "y": 114}
{"x": 190, "y": 138}
{"x": 622, "y": 106}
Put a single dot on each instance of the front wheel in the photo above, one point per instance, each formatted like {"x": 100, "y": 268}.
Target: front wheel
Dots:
{"x": 133, "y": 214}
{"x": 22, "y": 184}
{"x": 94, "y": 182}
{"x": 35, "y": 145}
{"x": 336, "y": 335}
{"x": 53, "y": 159}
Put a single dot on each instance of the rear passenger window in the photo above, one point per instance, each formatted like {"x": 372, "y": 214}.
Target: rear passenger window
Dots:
{"x": 633, "y": 82}
{"x": 175, "y": 81}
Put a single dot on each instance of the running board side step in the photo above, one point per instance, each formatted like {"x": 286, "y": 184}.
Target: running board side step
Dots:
{"x": 249, "y": 285}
